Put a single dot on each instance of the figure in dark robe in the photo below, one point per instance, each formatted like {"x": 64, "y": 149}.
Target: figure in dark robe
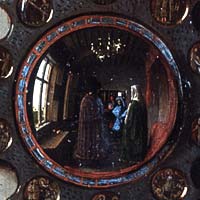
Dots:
{"x": 135, "y": 131}
{"x": 91, "y": 142}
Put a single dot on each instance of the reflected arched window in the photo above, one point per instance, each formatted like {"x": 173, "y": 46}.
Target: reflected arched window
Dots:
{"x": 40, "y": 94}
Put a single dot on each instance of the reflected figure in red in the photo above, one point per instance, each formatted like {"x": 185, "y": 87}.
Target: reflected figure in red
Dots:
{"x": 135, "y": 132}
{"x": 91, "y": 144}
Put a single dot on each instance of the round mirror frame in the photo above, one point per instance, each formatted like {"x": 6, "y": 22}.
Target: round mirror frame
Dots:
{"x": 76, "y": 176}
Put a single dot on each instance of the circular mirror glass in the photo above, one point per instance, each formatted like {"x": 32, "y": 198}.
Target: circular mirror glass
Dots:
{"x": 95, "y": 98}
{"x": 169, "y": 12}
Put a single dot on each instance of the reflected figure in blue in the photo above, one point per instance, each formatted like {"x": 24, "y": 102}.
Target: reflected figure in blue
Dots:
{"x": 119, "y": 112}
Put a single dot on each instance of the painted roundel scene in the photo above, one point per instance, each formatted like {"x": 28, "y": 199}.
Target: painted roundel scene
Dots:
{"x": 99, "y": 100}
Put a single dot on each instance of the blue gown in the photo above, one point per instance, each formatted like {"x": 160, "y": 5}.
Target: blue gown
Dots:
{"x": 119, "y": 114}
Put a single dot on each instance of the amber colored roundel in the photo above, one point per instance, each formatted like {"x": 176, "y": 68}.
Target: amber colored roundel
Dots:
{"x": 194, "y": 58}
{"x": 5, "y": 135}
{"x": 41, "y": 187}
{"x": 6, "y": 66}
{"x": 171, "y": 12}
{"x": 169, "y": 184}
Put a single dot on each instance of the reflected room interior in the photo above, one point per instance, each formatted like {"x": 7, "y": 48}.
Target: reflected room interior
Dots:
{"x": 118, "y": 60}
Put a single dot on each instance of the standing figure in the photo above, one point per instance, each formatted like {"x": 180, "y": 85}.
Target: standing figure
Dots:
{"x": 119, "y": 112}
{"x": 109, "y": 116}
{"x": 91, "y": 144}
{"x": 111, "y": 101}
{"x": 135, "y": 132}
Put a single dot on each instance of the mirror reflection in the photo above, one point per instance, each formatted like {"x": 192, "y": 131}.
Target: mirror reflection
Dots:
{"x": 99, "y": 99}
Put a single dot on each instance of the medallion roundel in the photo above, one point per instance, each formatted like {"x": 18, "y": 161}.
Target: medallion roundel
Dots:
{"x": 194, "y": 58}
{"x": 6, "y": 23}
{"x": 35, "y": 13}
{"x": 6, "y": 66}
{"x": 8, "y": 180}
{"x": 169, "y": 12}
{"x": 5, "y": 135}
{"x": 169, "y": 184}
{"x": 41, "y": 188}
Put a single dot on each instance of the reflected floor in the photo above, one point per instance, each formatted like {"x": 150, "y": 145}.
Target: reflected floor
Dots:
{"x": 61, "y": 147}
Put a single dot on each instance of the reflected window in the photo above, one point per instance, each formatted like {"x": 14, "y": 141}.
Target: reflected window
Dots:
{"x": 41, "y": 86}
